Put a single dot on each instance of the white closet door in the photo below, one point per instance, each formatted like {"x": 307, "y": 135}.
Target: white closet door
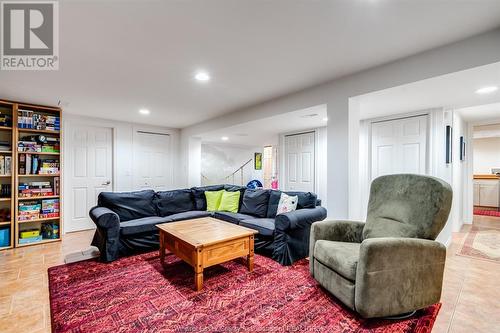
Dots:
{"x": 399, "y": 146}
{"x": 299, "y": 162}
{"x": 90, "y": 171}
{"x": 152, "y": 165}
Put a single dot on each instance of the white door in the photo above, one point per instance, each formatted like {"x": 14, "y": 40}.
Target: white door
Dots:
{"x": 399, "y": 146}
{"x": 89, "y": 171}
{"x": 152, "y": 165}
{"x": 299, "y": 162}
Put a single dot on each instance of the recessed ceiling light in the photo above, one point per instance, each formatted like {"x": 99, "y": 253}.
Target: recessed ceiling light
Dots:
{"x": 144, "y": 111}
{"x": 486, "y": 90}
{"x": 325, "y": 119}
{"x": 311, "y": 115}
{"x": 224, "y": 138}
{"x": 202, "y": 76}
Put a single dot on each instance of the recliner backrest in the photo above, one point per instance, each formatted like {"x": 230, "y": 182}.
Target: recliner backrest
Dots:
{"x": 407, "y": 205}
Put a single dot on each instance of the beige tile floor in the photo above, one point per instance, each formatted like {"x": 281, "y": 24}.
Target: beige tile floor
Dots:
{"x": 471, "y": 296}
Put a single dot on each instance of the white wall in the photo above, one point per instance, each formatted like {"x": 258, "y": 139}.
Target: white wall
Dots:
{"x": 486, "y": 155}
{"x": 123, "y": 147}
{"x": 220, "y": 160}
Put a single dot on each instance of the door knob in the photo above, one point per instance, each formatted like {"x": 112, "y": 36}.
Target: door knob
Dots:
{"x": 107, "y": 182}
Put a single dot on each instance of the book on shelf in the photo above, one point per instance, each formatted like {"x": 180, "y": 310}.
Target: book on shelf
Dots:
{"x": 33, "y": 120}
{"x": 34, "y": 165}
{"x": 38, "y": 209}
{"x": 56, "y": 185}
{"x": 5, "y": 190}
{"x": 5, "y": 165}
{"x": 35, "y": 189}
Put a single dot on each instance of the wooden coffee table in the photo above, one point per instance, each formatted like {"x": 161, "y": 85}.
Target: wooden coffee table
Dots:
{"x": 205, "y": 242}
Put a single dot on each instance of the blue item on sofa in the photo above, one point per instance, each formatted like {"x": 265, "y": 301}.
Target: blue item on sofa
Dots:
{"x": 4, "y": 237}
{"x": 253, "y": 184}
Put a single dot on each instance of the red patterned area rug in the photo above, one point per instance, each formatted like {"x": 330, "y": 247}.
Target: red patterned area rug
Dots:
{"x": 486, "y": 212}
{"x": 482, "y": 243}
{"x": 137, "y": 294}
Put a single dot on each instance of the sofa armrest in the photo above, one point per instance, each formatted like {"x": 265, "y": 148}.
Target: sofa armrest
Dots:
{"x": 104, "y": 217}
{"x": 334, "y": 230}
{"x": 398, "y": 275}
{"x": 299, "y": 218}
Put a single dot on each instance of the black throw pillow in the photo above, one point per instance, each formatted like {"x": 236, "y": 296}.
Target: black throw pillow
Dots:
{"x": 173, "y": 202}
{"x": 255, "y": 202}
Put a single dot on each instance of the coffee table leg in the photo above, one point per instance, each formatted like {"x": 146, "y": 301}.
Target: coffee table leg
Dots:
{"x": 162, "y": 247}
{"x": 198, "y": 270}
{"x": 250, "y": 254}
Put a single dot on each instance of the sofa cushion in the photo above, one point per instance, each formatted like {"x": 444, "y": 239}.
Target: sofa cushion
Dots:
{"x": 306, "y": 200}
{"x": 194, "y": 214}
{"x": 173, "y": 202}
{"x": 230, "y": 201}
{"x": 200, "y": 202}
{"x": 232, "y": 217}
{"x": 146, "y": 224}
{"x": 129, "y": 205}
{"x": 341, "y": 257}
{"x": 265, "y": 227}
{"x": 255, "y": 202}
{"x": 234, "y": 188}
{"x": 213, "y": 199}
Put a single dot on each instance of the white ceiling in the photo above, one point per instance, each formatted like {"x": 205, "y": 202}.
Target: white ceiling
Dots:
{"x": 456, "y": 90}
{"x": 266, "y": 131}
{"x": 119, "y": 56}
{"x": 481, "y": 113}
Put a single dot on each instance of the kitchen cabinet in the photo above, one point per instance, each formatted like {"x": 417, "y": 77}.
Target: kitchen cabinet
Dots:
{"x": 487, "y": 192}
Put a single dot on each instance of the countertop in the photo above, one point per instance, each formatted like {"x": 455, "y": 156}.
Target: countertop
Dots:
{"x": 493, "y": 177}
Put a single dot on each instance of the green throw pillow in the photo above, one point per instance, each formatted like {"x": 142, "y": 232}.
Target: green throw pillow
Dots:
{"x": 213, "y": 199}
{"x": 230, "y": 201}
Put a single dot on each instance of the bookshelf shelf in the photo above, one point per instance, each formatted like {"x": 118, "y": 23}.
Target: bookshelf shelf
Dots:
{"x": 39, "y": 220}
{"x": 32, "y": 130}
{"x": 5, "y": 176}
{"x": 5, "y": 128}
{"x": 38, "y": 197}
{"x": 5, "y": 223}
{"x": 5, "y": 199}
{"x": 43, "y": 241}
{"x": 41, "y": 175}
{"x": 37, "y": 153}
{"x": 5, "y": 152}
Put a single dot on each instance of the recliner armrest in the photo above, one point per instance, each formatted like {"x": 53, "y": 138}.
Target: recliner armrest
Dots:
{"x": 104, "y": 217}
{"x": 398, "y": 275}
{"x": 299, "y": 218}
{"x": 334, "y": 230}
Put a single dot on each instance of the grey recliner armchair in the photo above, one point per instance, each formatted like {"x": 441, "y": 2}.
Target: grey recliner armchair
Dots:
{"x": 390, "y": 265}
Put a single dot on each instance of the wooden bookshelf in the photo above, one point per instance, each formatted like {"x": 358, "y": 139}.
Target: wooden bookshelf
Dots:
{"x": 16, "y": 134}
{"x": 7, "y": 203}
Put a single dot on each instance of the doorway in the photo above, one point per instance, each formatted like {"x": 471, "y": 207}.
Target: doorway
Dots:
{"x": 89, "y": 155}
{"x": 300, "y": 162}
{"x": 399, "y": 146}
{"x": 152, "y": 161}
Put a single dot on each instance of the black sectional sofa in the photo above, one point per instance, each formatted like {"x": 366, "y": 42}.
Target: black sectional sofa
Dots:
{"x": 126, "y": 220}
